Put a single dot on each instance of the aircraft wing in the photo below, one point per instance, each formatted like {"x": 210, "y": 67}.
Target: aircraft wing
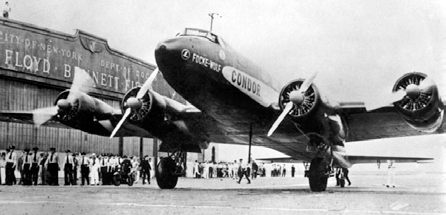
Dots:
{"x": 385, "y": 122}
{"x": 25, "y": 117}
{"x": 105, "y": 124}
{"x": 358, "y": 159}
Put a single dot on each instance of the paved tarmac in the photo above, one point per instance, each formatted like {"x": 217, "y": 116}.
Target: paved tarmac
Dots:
{"x": 413, "y": 194}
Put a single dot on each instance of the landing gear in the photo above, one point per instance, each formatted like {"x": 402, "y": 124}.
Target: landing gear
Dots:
{"x": 169, "y": 169}
{"x": 165, "y": 173}
{"x": 318, "y": 174}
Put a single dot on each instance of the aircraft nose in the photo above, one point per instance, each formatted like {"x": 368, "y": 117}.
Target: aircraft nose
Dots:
{"x": 168, "y": 55}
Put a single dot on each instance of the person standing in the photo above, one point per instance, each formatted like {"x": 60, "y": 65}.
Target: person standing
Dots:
{"x": 34, "y": 166}
{"x": 243, "y": 171}
{"x": 2, "y": 168}
{"x": 26, "y": 168}
{"x": 196, "y": 170}
{"x": 94, "y": 170}
{"x": 104, "y": 168}
{"x": 390, "y": 173}
{"x": 255, "y": 169}
{"x": 20, "y": 167}
{"x": 52, "y": 164}
{"x": 43, "y": 169}
{"x": 337, "y": 176}
{"x": 68, "y": 168}
{"x": 11, "y": 162}
{"x": 75, "y": 168}
{"x": 85, "y": 169}
{"x": 145, "y": 169}
{"x": 293, "y": 170}
{"x": 345, "y": 173}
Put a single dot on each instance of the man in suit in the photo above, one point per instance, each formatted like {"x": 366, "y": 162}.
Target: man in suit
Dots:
{"x": 104, "y": 169}
{"x": 52, "y": 164}
{"x": 75, "y": 167}
{"x": 243, "y": 171}
{"x": 145, "y": 169}
{"x": 26, "y": 167}
{"x": 85, "y": 168}
{"x": 68, "y": 168}
{"x": 11, "y": 163}
{"x": 35, "y": 159}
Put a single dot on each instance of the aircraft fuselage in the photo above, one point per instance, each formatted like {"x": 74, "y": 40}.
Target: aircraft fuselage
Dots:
{"x": 217, "y": 80}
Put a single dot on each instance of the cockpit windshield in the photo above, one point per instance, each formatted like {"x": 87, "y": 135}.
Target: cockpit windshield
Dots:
{"x": 199, "y": 33}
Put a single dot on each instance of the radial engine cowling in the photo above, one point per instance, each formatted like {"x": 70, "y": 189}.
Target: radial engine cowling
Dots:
{"x": 150, "y": 110}
{"x": 307, "y": 101}
{"x": 83, "y": 112}
{"x": 421, "y": 107}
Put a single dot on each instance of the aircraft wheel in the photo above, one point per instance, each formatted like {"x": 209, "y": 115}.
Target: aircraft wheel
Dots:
{"x": 116, "y": 180}
{"x": 165, "y": 176}
{"x": 316, "y": 176}
{"x": 131, "y": 180}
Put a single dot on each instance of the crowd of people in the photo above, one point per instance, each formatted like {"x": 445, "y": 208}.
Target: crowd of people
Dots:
{"x": 237, "y": 169}
{"x": 42, "y": 168}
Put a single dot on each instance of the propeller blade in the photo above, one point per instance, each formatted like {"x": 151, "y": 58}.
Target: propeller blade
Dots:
{"x": 378, "y": 101}
{"x": 426, "y": 84}
{"x": 82, "y": 81}
{"x": 307, "y": 83}
{"x": 118, "y": 126}
{"x": 42, "y": 115}
{"x": 147, "y": 85}
{"x": 286, "y": 110}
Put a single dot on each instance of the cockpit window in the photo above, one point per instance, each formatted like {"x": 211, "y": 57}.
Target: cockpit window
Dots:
{"x": 199, "y": 33}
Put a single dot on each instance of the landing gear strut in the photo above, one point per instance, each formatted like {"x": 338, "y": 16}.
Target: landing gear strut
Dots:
{"x": 169, "y": 169}
{"x": 318, "y": 174}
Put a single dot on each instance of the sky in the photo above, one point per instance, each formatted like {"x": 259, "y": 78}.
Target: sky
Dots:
{"x": 351, "y": 44}
{"x": 359, "y": 48}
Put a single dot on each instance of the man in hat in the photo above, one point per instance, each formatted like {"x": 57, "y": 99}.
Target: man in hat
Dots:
{"x": 11, "y": 162}
{"x": 85, "y": 168}
{"x": 68, "y": 168}
{"x": 94, "y": 170}
{"x": 104, "y": 168}
{"x": 145, "y": 169}
{"x": 75, "y": 167}
{"x": 26, "y": 168}
{"x": 52, "y": 164}
{"x": 34, "y": 166}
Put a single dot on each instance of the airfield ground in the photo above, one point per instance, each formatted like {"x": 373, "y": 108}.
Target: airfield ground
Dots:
{"x": 413, "y": 194}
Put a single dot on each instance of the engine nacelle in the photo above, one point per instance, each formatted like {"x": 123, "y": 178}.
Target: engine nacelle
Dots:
{"x": 309, "y": 104}
{"x": 422, "y": 107}
{"x": 83, "y": 112}
{"x": 150, "y": 115}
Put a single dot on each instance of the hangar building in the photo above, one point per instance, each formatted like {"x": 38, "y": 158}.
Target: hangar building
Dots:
{"x": 36, "y": 64}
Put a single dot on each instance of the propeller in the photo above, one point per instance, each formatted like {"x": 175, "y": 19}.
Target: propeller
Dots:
{"x": 297, "y": 97}
{"x": 82, "y": 82}
{"x": 135, "y": 102}
{"x": 412, "y": 90}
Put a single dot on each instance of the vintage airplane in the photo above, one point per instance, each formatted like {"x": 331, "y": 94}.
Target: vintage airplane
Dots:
{"x": 236, "y": 102}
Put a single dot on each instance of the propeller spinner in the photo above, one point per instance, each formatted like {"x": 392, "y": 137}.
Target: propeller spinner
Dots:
{"x": 81, "y": 82}
{"x": 295, "y": 97}
{"x": 135, "y": 103}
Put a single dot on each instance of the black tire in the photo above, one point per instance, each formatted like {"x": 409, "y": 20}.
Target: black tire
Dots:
{"x": 316, "y": 176}
{"x": 342, "y": 182}
{"x": 131, "y": 180}
{"x": 116, "y": 180}
{"x": 165, "y": 174}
